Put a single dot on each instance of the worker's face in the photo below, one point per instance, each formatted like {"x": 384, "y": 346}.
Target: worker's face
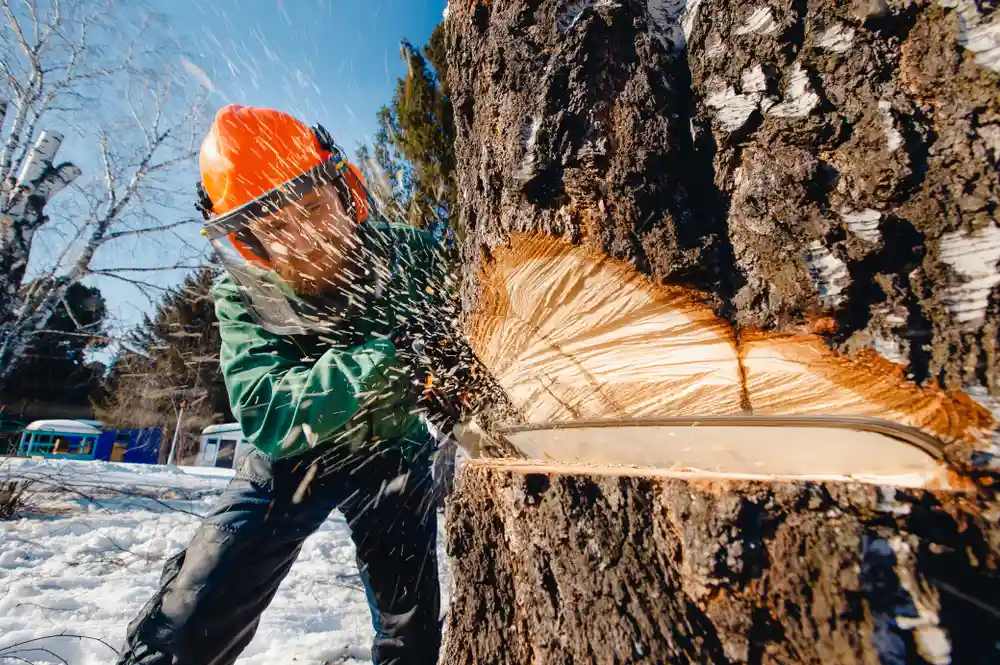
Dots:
{"x": 310, "y": 242}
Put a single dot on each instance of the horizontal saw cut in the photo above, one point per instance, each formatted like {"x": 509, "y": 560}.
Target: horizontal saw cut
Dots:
{"x": 774, "y": 449}
{"x": 571, "y": 334}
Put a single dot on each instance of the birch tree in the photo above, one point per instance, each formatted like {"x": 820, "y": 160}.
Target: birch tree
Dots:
{"x": 102, "y": 72}
{"x": 728, "y": 211}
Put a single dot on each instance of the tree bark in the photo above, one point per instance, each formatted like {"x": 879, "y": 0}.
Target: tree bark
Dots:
{"x": 789, "y": 167}
{"x": 555, "y": 565}
{"x": 801, "y": 161}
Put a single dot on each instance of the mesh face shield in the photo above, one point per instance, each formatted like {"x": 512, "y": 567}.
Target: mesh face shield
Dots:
{"x": 247, "y": 253}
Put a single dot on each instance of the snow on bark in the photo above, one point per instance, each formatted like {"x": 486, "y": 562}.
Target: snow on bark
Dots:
{"x": 862, "y": 223}
{"x": 576, "y": 9}
{"x": 893, "y": 137}
{"x": 667, "y": 22}
{"x": 754, "y": 79}
{"x": 977, "y": 32}
{"x": 828, "y": 273}
{"x": 732, "y": 110}
{"x": 760, "y": 21}
{"x": 799, "y": 98}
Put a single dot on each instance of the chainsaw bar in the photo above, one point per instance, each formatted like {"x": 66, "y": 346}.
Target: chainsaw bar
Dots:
{"x": 903, "y": 433}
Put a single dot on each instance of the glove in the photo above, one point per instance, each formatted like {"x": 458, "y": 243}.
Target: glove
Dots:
{"x": 443, "y": 368}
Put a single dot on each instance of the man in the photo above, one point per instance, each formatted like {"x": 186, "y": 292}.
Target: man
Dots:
{"x": 316, "y": 312}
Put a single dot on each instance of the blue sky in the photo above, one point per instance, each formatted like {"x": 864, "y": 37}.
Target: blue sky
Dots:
{"x": 329, "y": 61}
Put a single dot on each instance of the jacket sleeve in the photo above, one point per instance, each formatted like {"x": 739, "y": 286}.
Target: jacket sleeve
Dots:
{"x": 285, "y": 404}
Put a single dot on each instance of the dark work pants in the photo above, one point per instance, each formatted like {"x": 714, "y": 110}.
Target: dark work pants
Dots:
{"x": 212, "y": 595}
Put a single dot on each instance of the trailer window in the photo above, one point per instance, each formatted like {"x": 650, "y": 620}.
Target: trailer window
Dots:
{"x": 227, "y": 451}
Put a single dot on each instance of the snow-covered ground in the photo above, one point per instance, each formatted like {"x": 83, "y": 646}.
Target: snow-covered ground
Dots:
{"x": 88, "y": 560}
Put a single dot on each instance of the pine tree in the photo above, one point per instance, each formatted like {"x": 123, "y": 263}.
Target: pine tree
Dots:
{"x": 411, "y": 165}
{"x": 173, "y": 357}
{"x": 56, "y": 362}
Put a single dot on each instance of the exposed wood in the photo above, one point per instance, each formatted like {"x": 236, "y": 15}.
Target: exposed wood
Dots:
{"x": 782, "y": 449}
{"x": 571, "y": 334}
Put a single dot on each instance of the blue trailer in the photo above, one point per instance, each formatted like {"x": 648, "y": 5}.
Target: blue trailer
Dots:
{"x": 87, "y": 440}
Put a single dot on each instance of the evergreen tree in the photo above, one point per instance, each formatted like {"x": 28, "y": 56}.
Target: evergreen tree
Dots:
{"x": 55, "y": 367}
{"x": 412, "y": 162}
{"x": 173, "y": 357}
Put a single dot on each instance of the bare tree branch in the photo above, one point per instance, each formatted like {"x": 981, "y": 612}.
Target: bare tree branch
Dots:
{"x": 18, "y": 645}
{"x": 134, "y": 282}
{"x": 56, "y": 59}
{"x": 107, "y": 271}
{"x": 115, "y": 235}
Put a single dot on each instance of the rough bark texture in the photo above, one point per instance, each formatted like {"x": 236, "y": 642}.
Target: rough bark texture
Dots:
{"x": 827, "y": 164}
{"x": 793, "y": 160}
{"x": 573, "y": 568}
{"x": 22, "y": 213}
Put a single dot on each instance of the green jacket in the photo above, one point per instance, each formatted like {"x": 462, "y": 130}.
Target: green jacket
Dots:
{"x": 297, "y": 393}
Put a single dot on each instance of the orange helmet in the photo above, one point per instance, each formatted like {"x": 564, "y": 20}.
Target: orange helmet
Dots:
{"x": 251, "y": 152}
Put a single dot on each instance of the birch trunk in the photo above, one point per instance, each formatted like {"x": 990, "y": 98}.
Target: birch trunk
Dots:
{"x": 711, "y": 208}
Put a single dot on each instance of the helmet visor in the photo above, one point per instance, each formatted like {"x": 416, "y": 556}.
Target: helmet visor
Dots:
{"x": 296, "y": 255}
{"x": 275, "y": 201}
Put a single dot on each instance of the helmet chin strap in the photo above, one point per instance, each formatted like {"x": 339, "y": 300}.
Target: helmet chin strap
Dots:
{"x": 326, "y": 142}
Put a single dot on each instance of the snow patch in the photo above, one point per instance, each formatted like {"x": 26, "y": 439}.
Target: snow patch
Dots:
{"x": 92, "y": 569}
{"x": 828, "y": 273}
{"x": 732, "y": 110}
{"x": 665, "y": 22}
{"x": 892, "y": 134}
{"x": 837, "y": 38}
{"x": 973, "y": 256}
{"x": 975, "y": 34}
{"x": 576, "y": 9}
{"x": 760, "y": 22}
{"x": 754, "y": 79}
{"x": 863, "y": 224}
{"x": 799, "y": 98}
{"x": 672, "y": 21}
{"x": 689, "y": 16}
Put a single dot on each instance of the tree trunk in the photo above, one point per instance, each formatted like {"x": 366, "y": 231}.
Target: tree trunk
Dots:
{"x": 565, "y": 566}
{"x": 800, "y": 161}
{"x": 22, "y": 213}
{"x": 811, "y": 175}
